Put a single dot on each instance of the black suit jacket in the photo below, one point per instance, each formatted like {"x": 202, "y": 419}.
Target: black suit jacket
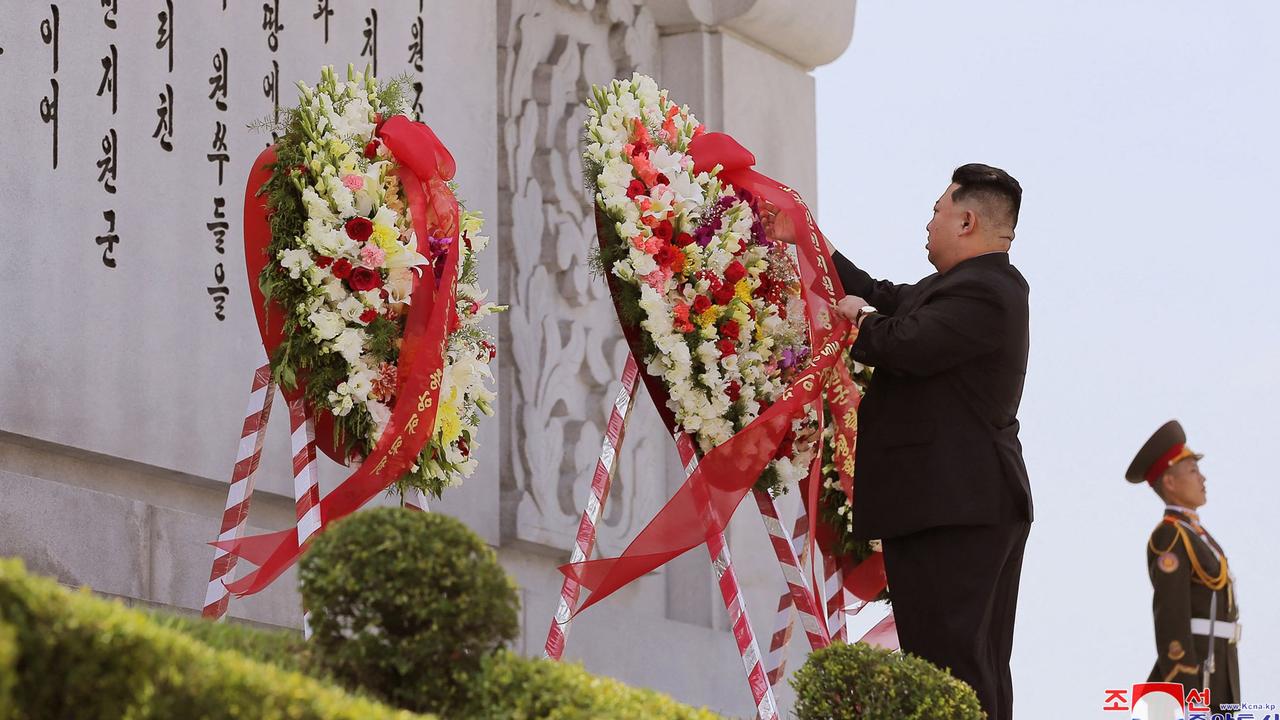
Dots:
{"x": 938, "y": 429}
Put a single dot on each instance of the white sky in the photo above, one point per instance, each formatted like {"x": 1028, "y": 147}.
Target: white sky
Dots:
{"x": 1145, "y": 136}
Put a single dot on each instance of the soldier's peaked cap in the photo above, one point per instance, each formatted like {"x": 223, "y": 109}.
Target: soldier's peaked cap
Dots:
{"x": 1166, "y": 447}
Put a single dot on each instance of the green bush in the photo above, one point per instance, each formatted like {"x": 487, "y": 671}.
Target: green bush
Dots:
{"x": 405, "y": 605}
{"x": 519, "y": 688}
{"x": 848, "y": 682}
{"x": 283, "y": 648}
{"x": 81, "y": 657}
{"x": 8, "y": 671}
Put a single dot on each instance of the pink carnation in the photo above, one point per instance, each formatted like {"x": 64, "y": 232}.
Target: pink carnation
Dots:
{"x": 658, "y": 278}
{"x": 353, "y": 182}
{"x": 372, "y": 255}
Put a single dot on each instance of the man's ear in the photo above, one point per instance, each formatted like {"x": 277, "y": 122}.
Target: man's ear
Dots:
{"x": 969, "y": 222}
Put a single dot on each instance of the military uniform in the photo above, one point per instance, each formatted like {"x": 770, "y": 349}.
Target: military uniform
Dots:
{"x": 1193, "y": 598}
{"x": 1191, "y": 579}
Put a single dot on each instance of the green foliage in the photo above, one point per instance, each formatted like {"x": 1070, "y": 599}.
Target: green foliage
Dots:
{"x": 520, "y": 688}
{"x": 8, "y": 669}
{"x": 283, "y": 648}
{"x": 861, "y": 682}
{"x": 405, "y": 605}
{"x": 78, "y": 656}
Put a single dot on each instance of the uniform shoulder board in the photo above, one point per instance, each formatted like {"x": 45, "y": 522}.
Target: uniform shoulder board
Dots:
{"x": 1164, "y": 539}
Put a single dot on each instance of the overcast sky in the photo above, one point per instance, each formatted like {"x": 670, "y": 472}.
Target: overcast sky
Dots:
{"x": 1145, "y": 136}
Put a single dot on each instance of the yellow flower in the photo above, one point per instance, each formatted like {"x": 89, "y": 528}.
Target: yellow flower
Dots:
{"x": 742, "y": 291}
{"x": 339, "y": 148}
{"x": 384, "y": 236}
{"x": 448, "y": 422}
{"x": 709, "y": 316}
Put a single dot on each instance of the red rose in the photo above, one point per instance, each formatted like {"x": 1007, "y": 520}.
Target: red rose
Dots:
{"x": 663, "y": 230}
{"x": 735, "y": 272}
{"x": 342, "y": 268}
{"x": 368, "y": 316}
{"x": 730, "y": 330}
{"x": 463, "y": 447}
{"x": 371, "y": 149}
{"x": 363, "y": 278}
{"x": 724, "y": 295}
{"x": 634, "y": 189}
{"x": 683, "y": 240}
{"x": 733, "y": 390}
{"x": 701, "y": 304}
{"x": 359, "y": 228}
{"x": 663, "y": 179}
{"x": 727, "y": 347}
{"x": 323, "y": 261}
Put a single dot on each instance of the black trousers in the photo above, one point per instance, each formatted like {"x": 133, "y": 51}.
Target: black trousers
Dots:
{"x": 955, "y": 594}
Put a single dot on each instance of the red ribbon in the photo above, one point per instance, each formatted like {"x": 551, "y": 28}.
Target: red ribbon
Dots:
{"x": 426, "y": 167}
{"x": 708, "y": 498}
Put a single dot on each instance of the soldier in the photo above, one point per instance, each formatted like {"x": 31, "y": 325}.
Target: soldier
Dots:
{"x": 1194, "y": 598}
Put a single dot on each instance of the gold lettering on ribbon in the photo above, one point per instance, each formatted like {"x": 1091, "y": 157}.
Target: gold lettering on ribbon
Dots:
{"x": 395, "y": 446}
{"x": 837, "y": 391}
{"x": 424, "y": 400}
{"x": 412, "y": 425}
{"x": 382, "y": 463}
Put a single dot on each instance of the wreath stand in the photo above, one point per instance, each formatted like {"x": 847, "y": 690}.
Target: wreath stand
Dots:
{"x": 762, "y": 676}
{"x": 306, "y": 484}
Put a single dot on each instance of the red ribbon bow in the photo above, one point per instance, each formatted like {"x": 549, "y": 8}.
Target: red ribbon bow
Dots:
{"x": 425, "y": 167}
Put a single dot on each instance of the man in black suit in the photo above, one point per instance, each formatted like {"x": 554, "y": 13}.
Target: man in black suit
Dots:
{"x": 940, "y": 477}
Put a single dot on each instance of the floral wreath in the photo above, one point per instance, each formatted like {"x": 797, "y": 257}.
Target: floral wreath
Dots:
{"x": 715, "y": 303}
{"x": 344, "y": 260}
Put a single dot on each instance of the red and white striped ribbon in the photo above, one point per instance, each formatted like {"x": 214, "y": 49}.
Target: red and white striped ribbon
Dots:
{"x": 240, "y": 489}
{"x": 306, "y": 479}
{"x": 784, "y": 621}
{"x": 775, "y": 663}
{"x": 884, "y": 634}
{"x": 835, "y": 598}
{"x": 734, "y": 602}
{"x": 415, "y": 499}
{"x": 601, "y": 481}
{"x": 805, "y": 603}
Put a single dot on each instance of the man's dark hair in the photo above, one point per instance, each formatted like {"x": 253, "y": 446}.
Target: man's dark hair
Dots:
{"x": 992, "y": 187}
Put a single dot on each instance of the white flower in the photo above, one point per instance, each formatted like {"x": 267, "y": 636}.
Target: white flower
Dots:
{"x": 687, "y": 192}
{"x": 296, "y": 261}
{"x": 335, "y": 291}
{"x": 386, "y": 216}
{"x": 360, "y": 382}
{"x": 351, "y": 308}
{"x": 317, "y": 207}
{"x": 354, "y": 120}
{"x": 349, "y": 343}
{"x": 380, "y": 414}
{"x": 341, "y": 196}
{"x": 643, "y": 262}
{"x": 326, "y": 325}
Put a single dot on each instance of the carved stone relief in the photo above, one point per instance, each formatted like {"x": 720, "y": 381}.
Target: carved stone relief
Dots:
{"x": 565, "y": 351}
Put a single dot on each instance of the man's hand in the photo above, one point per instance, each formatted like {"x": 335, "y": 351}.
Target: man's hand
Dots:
{"x": 849, "y": 306}
{"x": 777, "y": 225}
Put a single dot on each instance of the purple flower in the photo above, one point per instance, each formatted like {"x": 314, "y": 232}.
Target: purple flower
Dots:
{"x": 438, "y": 246}
{"x": 788, "y": 358}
